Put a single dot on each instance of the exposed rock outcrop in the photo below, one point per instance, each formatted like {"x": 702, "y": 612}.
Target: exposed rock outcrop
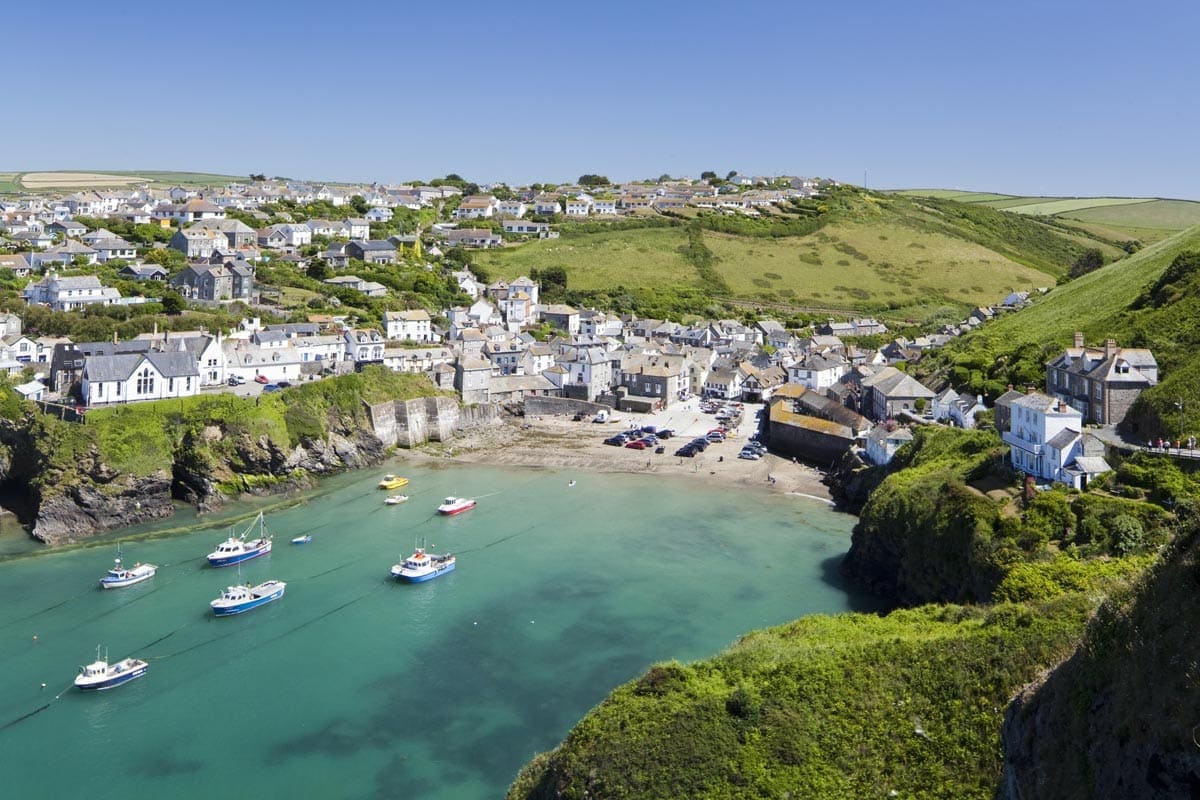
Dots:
{"x": 93, "y": 506}
{"x": 69, "y": 492}
{"x": 851, "y": 481}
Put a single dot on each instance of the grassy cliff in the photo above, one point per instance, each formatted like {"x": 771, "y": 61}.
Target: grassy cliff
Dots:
{"x": 950, "y": 525}
{"x": 825, "y": 707}
{"x": 142, "y": 438}
{"x": 1119, "y": 718}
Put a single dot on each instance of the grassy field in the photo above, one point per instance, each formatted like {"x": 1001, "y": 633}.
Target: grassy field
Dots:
{"x": 64, "y": 179}
{"x": 1171, "y": 215}
{"x": 1052, "y": 207}
{"x": 1118, "y": 232}
{"x": 868, "y": 264}
{"x": 961, "y": 196}
{"x": 639, "y": 257}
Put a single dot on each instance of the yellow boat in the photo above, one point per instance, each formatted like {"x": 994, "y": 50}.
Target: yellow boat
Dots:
{"x": 392, "y": 482}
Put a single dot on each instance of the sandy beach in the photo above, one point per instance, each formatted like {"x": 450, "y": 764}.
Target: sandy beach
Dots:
{"x": 561, "y": 443}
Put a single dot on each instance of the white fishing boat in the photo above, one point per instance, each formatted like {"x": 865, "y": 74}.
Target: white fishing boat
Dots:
{"x": 422, "y": 566}
{"x": 456, "y": 505}
{"x": 242, "y": 598}
{"x": 235, "y": 550}
{"x": 396, "y": 499}
{"x": 120, "y": 575}
{"x": 101, "y": 675}
{"x": 305, "y": 539}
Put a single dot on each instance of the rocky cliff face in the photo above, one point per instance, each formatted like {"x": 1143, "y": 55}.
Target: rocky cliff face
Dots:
{"x": 851, "y": 481}
{"x": 68, "y": 493}
{"x": 1120, "y": 718}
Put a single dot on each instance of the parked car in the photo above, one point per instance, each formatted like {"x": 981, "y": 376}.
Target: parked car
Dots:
{"x": 658, "y": 451}
{"x": 260, "y": 379}
{"x": 749, "y": 455}
{"x": 715, "y": 437}
{"x": 579, "y": 415}
{"x": 686, "y": 452}
{"x": 666, "y": 433}
{"x": 636, "y": 445}
{"x": 234, "y": 381}
{"x": 270, "y": 387}
{"x": 283, "y": 384}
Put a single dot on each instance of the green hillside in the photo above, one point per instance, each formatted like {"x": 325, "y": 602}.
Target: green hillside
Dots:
{"x": 860, "y": 252}
{"x": 1116, "y": 218}
{"x": 1112, "y": 301}
{"x": 905, "y": 705}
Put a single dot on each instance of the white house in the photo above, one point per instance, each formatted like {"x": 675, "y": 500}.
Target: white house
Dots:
{"x": 364, "y": 345}
{"x": 882, "y": 443}
{"x": 68, "y": 294}
{"x": 817, "y": 371}
{"x": 134, "y": 377}
{"x": 324, "y": 349}
{"x": 412, "y": 326}
{"x": 1045, "y": 441}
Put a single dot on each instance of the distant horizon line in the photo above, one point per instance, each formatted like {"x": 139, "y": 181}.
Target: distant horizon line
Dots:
{"x": 130, "y": 173}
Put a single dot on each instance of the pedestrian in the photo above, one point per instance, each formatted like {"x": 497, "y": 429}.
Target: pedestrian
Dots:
{"x": 1160, "y": 443}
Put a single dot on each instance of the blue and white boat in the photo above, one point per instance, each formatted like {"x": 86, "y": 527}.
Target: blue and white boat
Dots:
{"x": 120, "y": 575}
{"x": 422, "y": 566}
{"x": 235, "y": 550}
{"x": 100, "y": 675}
{"x": 239, "y": 599}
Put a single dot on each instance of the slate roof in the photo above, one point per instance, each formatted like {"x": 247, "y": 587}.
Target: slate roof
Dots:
{"x": 1062, "y": 439}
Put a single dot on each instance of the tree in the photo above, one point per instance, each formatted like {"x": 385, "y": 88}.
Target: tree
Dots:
{"x": 594, "y": 180}
{"x": 708, "y": 175}
{"x": 173, "y": 304}
{"x": 729, "y": 175}
{"x": 1089, "y": 261}
{"x": 166, "y": 257}
{"x": 552, "y": 279}
{"x": 359, "y": 204}
{"x": 258, "y": 176}
{"x": 318, "y": 269}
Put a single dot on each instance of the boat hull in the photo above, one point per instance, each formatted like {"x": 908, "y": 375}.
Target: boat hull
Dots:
{"x": 249, "y": 605}
{"x": 236, "y": 558}
{"x": 114, "y": 681}
{"x": 451, "y": 512}
{"x": 105, "y": 583}
{"x": 406, "y": 576}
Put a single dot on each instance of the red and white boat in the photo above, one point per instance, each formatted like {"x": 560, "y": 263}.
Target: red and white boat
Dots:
{"x": 456, "y": 505}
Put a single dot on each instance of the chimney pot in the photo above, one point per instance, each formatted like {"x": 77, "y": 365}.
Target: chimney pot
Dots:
{"x": 1078, "y": 338}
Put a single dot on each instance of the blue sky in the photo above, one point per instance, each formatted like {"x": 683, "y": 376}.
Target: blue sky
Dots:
{"x": 1021, "y": 97}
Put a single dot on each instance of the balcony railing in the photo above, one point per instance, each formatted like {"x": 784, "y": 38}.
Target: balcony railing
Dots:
{"x": 1016, "y": 441}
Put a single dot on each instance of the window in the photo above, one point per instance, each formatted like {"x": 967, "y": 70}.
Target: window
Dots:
{"x": 145, "y": 382}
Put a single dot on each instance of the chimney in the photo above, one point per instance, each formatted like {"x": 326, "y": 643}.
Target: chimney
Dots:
{"x": 1110, "y": 348}
{"x": 1079, "y": 338}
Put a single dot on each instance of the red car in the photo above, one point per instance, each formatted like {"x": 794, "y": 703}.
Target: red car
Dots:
{"x": 638, "y": 445}
{"x": 261, "y": 379}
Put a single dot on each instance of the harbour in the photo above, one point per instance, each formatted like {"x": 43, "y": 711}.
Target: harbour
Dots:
{"x": 561, "y": 594}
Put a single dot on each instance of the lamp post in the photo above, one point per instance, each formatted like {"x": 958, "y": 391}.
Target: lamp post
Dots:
{"x": 1179, "y": 405}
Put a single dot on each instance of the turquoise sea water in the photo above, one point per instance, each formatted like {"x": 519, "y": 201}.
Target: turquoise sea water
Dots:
{"x": 355, "y": 686}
